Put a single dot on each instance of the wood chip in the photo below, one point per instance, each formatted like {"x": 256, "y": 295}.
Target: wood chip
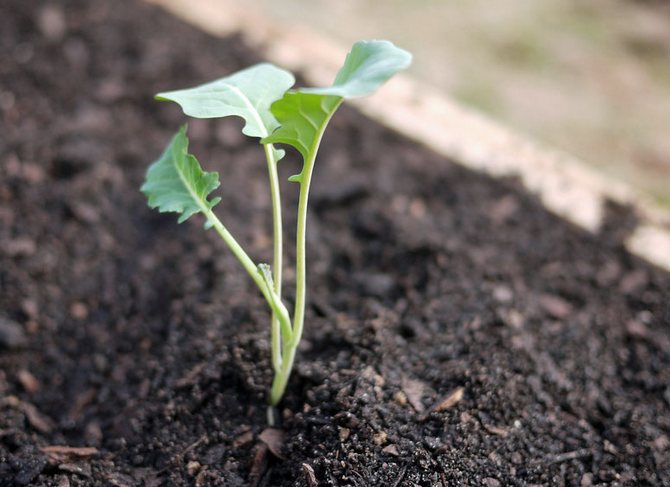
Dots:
{"x": 73, "y": 451}
{"x": 70, "y": 451}
{"x": 274, "y": 439}
{"x": 37, "y": 420}
{"x": 57, "y": 454}
{"x": 259, "y": 464}
{"x": 191, "y": 377}
{"x": 243, "y": 439}
{"x": 309, "y": 475}
{"x": 28, "y": 381}
{"x": 82, "y": 469}
{"x": 414, "y": 391}
{"x": 555, "y": 306}
{"x": 82, "y": 400}
{"x": 451, "y": 400}
{"x": 565, "y": 457}
{"x": 502, "y": 432}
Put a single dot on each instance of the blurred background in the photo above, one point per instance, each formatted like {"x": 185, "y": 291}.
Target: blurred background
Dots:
{"x": 590, "y": 77}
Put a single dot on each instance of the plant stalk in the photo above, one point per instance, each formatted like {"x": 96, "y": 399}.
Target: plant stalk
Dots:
{"x": 277, "y": 307}
{"x": 277, "y": 264}
{"x": 290, "y": 347}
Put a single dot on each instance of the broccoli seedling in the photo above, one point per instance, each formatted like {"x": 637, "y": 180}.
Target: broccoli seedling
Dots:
{"x": 275, "y": 114}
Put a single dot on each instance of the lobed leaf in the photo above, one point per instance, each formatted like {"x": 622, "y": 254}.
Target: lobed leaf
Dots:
{"x": 176, "y": 182}
{"x": 248, "y": 94}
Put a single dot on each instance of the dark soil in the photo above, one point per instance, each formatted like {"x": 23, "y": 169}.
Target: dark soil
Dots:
{"x": 144, "y": 341}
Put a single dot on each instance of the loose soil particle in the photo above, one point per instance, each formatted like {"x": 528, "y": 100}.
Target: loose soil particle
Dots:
{"x": 145, "y": 341}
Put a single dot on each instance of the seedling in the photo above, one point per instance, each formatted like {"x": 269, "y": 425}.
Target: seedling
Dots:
{"x": 275, "y": 114}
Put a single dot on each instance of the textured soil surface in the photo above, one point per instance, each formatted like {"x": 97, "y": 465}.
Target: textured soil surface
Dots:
{"x": 457, "y": 333}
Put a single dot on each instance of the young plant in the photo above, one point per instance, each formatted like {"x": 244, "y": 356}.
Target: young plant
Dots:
{"x": 275, "y": 114}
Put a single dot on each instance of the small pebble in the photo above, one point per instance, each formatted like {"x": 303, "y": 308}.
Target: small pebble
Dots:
{"x": 51, "y": 22}
{"x": 587, "y": 480}
{"x": 400, "y": 398}
{"x": 30, "y": 308}
{"x": 391, "y": 450}
{"x": 12, "y": 335}
{"x": 379, "y": 438}
{"x": 503, "y": 294}
{"x": 79, "y": 311}
{"x": 193, "y": 468}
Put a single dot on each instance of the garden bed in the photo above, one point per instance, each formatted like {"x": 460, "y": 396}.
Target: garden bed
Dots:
{"x": 457, "y": 333}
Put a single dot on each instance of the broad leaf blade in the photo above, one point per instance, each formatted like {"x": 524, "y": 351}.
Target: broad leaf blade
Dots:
{"x": 302, "y": 117}
{"x": 249, "y": 93}
{"x": 176, "y": 182}
{"x": 368, "y": 65}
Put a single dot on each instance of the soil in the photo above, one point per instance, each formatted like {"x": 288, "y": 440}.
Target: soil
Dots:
{"x": 457, "y": 333}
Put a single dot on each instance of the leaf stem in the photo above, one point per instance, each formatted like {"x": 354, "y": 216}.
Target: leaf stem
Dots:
{"x": 277, "y": 263}
{"x": 277, "y": 307}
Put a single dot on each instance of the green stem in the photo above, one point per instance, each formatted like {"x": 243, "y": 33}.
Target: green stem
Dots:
{"x": 277, "y": 307}
{"x": 290, "y": 347}
{"x": 277, "y": 264}
{"x": 281, "y": 378}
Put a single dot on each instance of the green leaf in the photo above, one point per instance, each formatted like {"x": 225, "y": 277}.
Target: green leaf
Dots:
{"x": 302, "y": 117}
{"x": 248, "y": 93}
{"x": 176, "y": 182}
{"x": 304, "y": 114}
{"x": 368, "y": 65}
